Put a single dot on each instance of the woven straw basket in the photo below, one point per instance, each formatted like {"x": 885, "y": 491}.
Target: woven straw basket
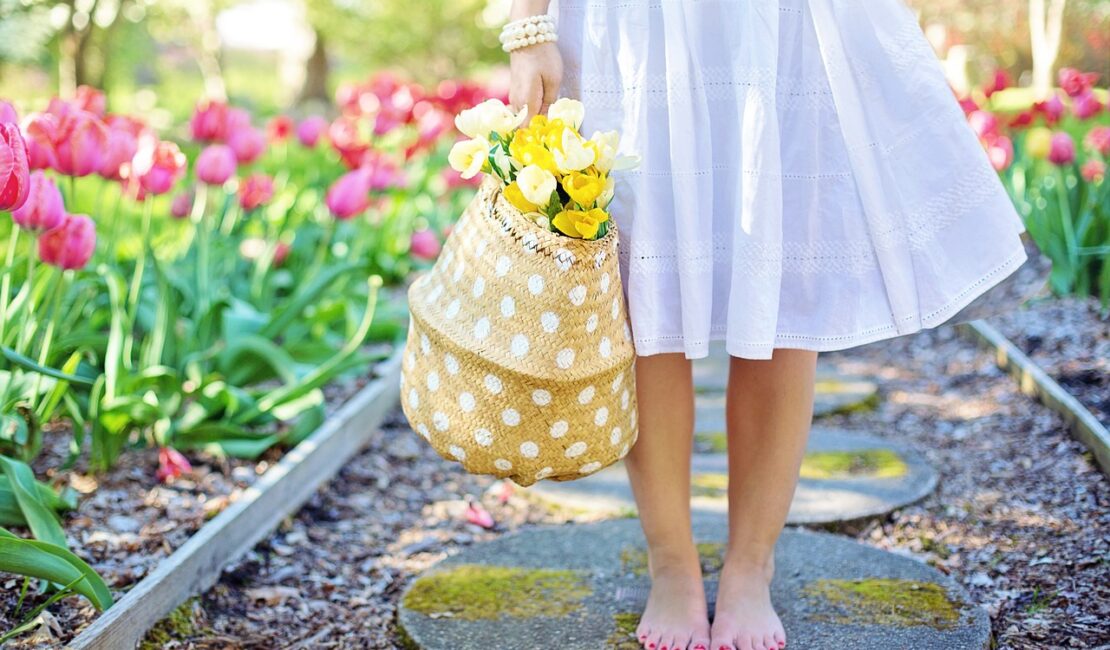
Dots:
{"x": 519, "y": 357}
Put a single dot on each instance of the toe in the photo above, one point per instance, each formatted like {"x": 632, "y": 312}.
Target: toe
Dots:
{"x": 769, "y": 642}
{"x": 652, "y": 642}
{"x": 681, "y": 642}
{"x": 743, "y": 642}
{"x": 642, "y": 634}
{"x": 666, "y": 642}
{"x": 700, "y": 643}
{"x": 780, "y": 639}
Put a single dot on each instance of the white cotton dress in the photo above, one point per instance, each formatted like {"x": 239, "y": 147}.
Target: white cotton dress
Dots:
{"x": 808, "y": 179}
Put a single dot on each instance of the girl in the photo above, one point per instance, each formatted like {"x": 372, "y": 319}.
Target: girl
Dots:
{"x": 808, "y": 182}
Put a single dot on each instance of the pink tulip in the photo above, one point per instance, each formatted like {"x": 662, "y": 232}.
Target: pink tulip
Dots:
{"x": 479, "y": 516}
{"x": 347, "y": 141}
{"x": 455, "y": 181}
{"x": 1093, "y": 171}
{"x": 14, "y": 171}
{"x": 1098, "y": 139}
{"x": 1062, "y": 151}
{"x": 44, "y": 208}
{"x": 350, "y": 195}
{"x": 1023, "y": 119}
{"x": 247, "y": 143}
{"x": 39, "y": 131}
{"x": 238, "y": 119}
{"x": 255, "y": 190}
{"x": 984, "y": 123}
{"x": 252, "y": 249}
{"x": 122, "y": 146}
{"x": 92, "y": 100}
{"x": 1075, "y": 83}
{"x": 1000, "y": 81}
{"x": 424, "y": 245}
{"x": 968, "y": 105}
{"x": 216, "y": 164}
{"x": 157, "y": 165}
{"x": 70, "y": 244}
{"x": 1086, "y": 106}
{"x": 280, "y": 128}
{"x": 1000, "y": 150}
{"x": 79, "y": 143}
{"x": 8, "y": 114}
{"x": 171, "y": 464}
{"x": 209, "y": 121}
{"x": 181, "y": 205}
{"x": 310, "y": 130}
{"x": 1052, "y": 109}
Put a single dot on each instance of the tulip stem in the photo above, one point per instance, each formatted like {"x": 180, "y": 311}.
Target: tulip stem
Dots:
{"x": 72, "y": 194}
{"x": 1066, "y": 222}
{"x": 48, "y": 336}
{"x": 6, "y": 282}
{"x": 135, "y": 292}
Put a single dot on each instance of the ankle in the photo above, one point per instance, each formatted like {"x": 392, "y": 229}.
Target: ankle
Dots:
{"x": 674, "y": 561}
{"x": 742, "y": 564}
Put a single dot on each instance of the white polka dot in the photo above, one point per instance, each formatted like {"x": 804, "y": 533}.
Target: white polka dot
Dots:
{"x": 586, "y": 395}
{"x": 467, "y": 402}
{"x": 605, "y": 283}
{"x": 601, "y": 416}
{"x": 480, "y": 249}
{"x": 565, "y": 358}
{"x": 615, "y": 436}
{"x": 616, "y": 310}
{"x": 410, "y": 360}
{"x": 423, "y": 430}
{"x": 529, "y": 449}
{"x": 451, "y": 363}
{"x": 541, "y": 397}
{"x": 627, "y": 332}
{"x": 530, "y": 242}
{"x": 508, "y": 307}
{"x": 575, "y": 450}
{"x": 549, "y": 321}
{"x": 599, "y": 259}
{"x": 624, "y": 400}
{"x": 452, "y": 309}
{"x": 439, "y": 419}
{"x": 519, "y": 345}
{"x": 479, "y": 287}
{"x": 459, "y": 268}
{"x": 493, "y": 384}
{"x": 510, "y": 417}
{"x": 502, "y": 464}
{"x": 535, "y": 284}
{"x": 457, "y": 452}
{"x": 564, "y": 259}
{"x": 617, "y": 383}
{"x": 483, "y": 437}
{"x": 632, "y": 419}
{"x": 481, "y": 328}
{"x": 544, "y": 473}
{"x": 559, "y": 429}
{"x": 589, "y": 468}
{"x": 591, "y": 324}
{"x": 577, "y": 295}
{"x": 624, "y": 449}
{"x": 414, "y": 399}
{"x": 503, "y": 265}
{"x": 433, "y": 380}
{"x": 425, "y": 344}
{"x": 605, "y": 348}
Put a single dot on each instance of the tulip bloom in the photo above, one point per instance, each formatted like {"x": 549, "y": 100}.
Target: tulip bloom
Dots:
{"x": 181, "y": 205}
{"x": 350, "y": 195}
{"x": 984, "y": 123}
{"x": 44, "y": 208}
{"x": 1086, "y": 106}
{"x": 1000, "y": 81}
{"x": 171, "y": 464}
{"x": 122, "y": 147}
{"x": 1052, "y": 109}
{"x": 14, "y": 171}
{"x": 157, "y": 165}
{"x": 280, "y": 128}
{"x": 310, "y": 130}
{"x": 1093, "y": 171}
{"x": 209, "y": 121}
{"x": 7, "y": 113}
{"x": 39, "y": 132}
{"x": 216, "y": 164}
{"x": 247, "y": 144}
{"x": 1098, "y": 139}
{"x": 255, "y": 190}
{"x": 1062, "y": 149}
{"x": 1000, "y": 150}
{"x": 79, "y": 143}
{"x": 1075, "y": 83}
{"x": 92, "y": 100}
{"x": 70, "y": 244}
{"x": 424, "y": 245}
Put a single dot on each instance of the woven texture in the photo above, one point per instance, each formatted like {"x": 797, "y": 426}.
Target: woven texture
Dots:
{"x": 519, "y": 359}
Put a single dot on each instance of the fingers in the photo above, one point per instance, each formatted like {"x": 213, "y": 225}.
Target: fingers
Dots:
{"x": 550, "y": 93}
{"x": 534, "y": 97}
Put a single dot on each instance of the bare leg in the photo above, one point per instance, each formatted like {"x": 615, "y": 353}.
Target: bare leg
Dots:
{"x": 659, "y": 470}
{"x": 768, "y": 412}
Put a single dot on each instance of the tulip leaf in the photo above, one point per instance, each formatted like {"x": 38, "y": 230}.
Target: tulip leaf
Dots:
{"x": 40, "y": 559}
{"x": 29, "y": 364}
{"x": 305, "y": 296}
{"x": 41, "y": 520}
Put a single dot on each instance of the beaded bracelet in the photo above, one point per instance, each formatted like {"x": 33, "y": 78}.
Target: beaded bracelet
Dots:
{"x": 528, "y": 31}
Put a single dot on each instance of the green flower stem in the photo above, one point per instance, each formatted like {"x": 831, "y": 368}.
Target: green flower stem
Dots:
{"x": 25, "y": 328}
{"x": 113, "y": 234}
{"x": 135, "y": 292}
{"x": 60, "y": 285}
{"x": 200, "y": 208}
{"x": 6, "y": 280}
{"x": 1066, "y": 220}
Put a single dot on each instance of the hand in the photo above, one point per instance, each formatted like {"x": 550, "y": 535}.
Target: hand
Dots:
{"x": 536, "y": 72}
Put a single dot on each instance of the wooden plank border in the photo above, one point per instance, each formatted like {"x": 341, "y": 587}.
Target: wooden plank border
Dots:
{"x": 259, "y": 509}
{"x": 1033, "y": 380}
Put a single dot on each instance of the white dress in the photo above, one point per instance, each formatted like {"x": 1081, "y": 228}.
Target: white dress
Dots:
{"x": 808, "y": 179}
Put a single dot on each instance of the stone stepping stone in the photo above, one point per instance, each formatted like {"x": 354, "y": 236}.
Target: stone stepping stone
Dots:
{"x": 834, "y": 394}
{"x": 583, "y": 587}
{"x": 845, "y": 477}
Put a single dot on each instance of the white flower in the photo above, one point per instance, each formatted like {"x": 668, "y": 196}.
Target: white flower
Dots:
{"x": 570, "y": 111}
{"x": 575, "y": 155}
{"x": 606, "y": 195}
{"x": 491, "y": 116}
{"x": 606, "y": 144}
{"x": 468, "y": 156}
{"x": 536, "y": 184}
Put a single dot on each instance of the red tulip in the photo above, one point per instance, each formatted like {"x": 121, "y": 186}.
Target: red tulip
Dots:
{"x": 1000, "y": 150}
{"x": 350, "y": 195}
{"x": 1062, "y": 151}
{"x": 14, "y": 171}
{"x": 424, "y": 245}
{"x": 1098, "y": 139}
{"x": 216, "y": 164}
{"x": 969, "y": 105}
{"x": 79, "y": 143}
{"x": 984, "y": 123}
{"x": 1000, "y": 81}
{"x": 1094, "y": 171}
{"x": 209, "y": 121}
{"x": 181, "y": 205}
{"x": 1086, "y": 106}
{"x": 157, "y": 165}
{"x": 347, "y": 141}
{"x": 39, "y": 132}
{"x": 171, "y": 464}
{"x": 44, "y": 208}
{"x": 281, "y": 253}
{"x": 1075, "y": 83}
{"x": 310, "y": 130}
{"x": 122, "y": 146}
{"x": 70, "y": 244}
{"x": 91, "y": 99}
{"x": 1024, "y": 118}
{"x": 255, "y": 190}
{"x": 248, "y": 144}
{"x": 8, "y": 114}
{"x": 280, "y": 128}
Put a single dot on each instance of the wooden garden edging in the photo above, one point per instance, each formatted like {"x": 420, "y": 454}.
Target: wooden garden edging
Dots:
{"x": 280, "y": 491}
{"x": 1034, "y": 381}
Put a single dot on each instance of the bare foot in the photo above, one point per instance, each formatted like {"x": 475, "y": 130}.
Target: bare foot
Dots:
{"x": 745, "y": 618}
{"x": 675, "y": 617}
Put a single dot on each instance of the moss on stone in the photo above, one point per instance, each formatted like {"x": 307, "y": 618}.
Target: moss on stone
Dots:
{"x": 709, "y": 485}
{"x": 480, "y": 592}
{"x": 826, "y": 389}
{"x": 875, "y": 463}
{"x": 713, "y": 441}
{"x": 885, "y": 601}
{"x": 624, "y": 632}
{"x": 178, "y": 625}
{"x": 634, "y": 560}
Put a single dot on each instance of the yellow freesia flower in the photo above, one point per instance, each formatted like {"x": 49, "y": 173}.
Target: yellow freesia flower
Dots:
{"x": 527, "y": 149}
{"x": 514, "y": 196}
{"x": 583, "y": 188}
{"x": 580, "y": 224}
{"x": 552, "y": 134}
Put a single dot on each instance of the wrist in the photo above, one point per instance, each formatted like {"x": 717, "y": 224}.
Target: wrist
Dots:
{"x": 525, "y": 8}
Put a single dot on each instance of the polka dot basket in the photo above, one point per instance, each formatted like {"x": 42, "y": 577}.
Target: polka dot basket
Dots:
{"x": 519, "y": 356}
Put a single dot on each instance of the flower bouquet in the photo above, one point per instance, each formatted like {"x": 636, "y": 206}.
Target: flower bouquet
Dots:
{"x": 519, "y": 355}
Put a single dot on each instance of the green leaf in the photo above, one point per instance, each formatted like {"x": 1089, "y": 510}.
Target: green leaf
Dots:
{"x": 29, "y": 364}
{"x": 40, "y": 559}
{"x": 41, "y": 520}
{"x": 307, "y": 294}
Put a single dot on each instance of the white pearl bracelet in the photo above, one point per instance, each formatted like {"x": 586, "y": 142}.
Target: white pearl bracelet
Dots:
{"x": 528, "y": 31}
